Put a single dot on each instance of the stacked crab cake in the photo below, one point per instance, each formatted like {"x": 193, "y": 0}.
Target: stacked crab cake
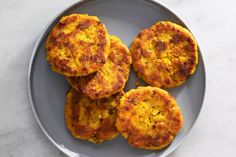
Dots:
{"x": 97, "y": 67}
{"x": 111, "y": 78}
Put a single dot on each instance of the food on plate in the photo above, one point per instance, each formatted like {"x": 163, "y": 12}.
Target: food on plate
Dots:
{"x": 149, "y": 118}
{"x": 77, "y": 45}
{"x": 97, "y": 67}
{"x": 92, "y": 120}
{"x": 165, "y": 54}
{"x": 111, "y": 78}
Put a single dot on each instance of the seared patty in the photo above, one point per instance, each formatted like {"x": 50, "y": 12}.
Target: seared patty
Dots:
{"x": 111, "y": 78}
{"x": 78, "y": 45}
{"x": 149, "y": 118}
{"x": 165, "y": 54}
{"x": 92, "y": 120}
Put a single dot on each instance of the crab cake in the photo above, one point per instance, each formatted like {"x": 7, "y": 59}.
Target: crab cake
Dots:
{"x": 111, "y": 78}
{"x": 149, "y": 118}
{"x": 92, "y": 120}
{"x": 164, "y": 55}
{"x": 78, "y": 45}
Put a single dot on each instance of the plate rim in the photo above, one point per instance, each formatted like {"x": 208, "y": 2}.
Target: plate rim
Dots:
{"x": 33, "y": 56}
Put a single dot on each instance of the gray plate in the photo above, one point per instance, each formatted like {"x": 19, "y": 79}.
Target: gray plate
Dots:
{"x": 47, "y": 89}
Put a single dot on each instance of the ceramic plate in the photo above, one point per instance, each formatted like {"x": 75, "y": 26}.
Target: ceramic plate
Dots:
{"x": 47, "y": 89}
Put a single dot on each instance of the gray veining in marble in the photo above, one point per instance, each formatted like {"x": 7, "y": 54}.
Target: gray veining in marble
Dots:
{"x": 213, "y": 24}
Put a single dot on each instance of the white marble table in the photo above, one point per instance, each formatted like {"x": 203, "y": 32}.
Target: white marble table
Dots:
{"x": 212, "y": 22}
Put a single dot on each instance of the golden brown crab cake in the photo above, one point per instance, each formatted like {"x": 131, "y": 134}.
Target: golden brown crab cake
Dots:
{"x": 78, "y": 45}
{"x": 111, "y": 78}
{"x": 92, "y": 120}
{"x": 149, "y": 118}
{"x": 165, "y": 54}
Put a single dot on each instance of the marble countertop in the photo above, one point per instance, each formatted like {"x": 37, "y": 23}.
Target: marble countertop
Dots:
{"x": 212, "y": 22}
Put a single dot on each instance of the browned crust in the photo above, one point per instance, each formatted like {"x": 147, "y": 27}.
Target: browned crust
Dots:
{"x": 154, "y": 130}
{"x": 165, "y": 54}
{"x": 111, "y": 78}
{"x": 77, "y": 45}
{"x": 92, "y": 120}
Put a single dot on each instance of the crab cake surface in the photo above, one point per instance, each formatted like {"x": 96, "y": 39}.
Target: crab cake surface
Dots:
{"x": 149, "y": 118}
{"x": 92, "y": 120}
{"x": 77, "y": 45}
{"x": 165, "y": 54}
{"x": 111, "y": 78}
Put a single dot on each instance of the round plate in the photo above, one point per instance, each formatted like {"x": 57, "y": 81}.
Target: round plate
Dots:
{"x": 47, "y": 89}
